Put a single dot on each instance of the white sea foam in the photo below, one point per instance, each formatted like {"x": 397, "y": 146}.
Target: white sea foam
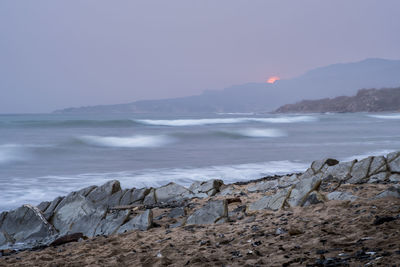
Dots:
{"x": 196, "y": 122}
{"x": 127, "y": 142}
{"x": 11, "y": 153}
{"x": 260, "y": 133}
{"x": 386, "y": 117}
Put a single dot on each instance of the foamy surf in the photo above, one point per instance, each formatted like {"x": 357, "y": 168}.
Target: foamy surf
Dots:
{"x": 137, "y": 141}
{"x": 15, "y": 153}
{"x": 261, "y": 133}
{"x": 197, "y": 122}
{"x": 386, "y": 117}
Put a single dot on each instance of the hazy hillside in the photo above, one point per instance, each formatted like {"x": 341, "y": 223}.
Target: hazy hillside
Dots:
{"x": 370, "y": 100}
{"x": 329, "y": 81}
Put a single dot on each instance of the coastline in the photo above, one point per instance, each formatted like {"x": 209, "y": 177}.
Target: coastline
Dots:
{"x": 273, "y": 220}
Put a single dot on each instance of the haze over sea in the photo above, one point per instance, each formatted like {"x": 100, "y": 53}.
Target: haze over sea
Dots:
{"x": 44, "y": 156}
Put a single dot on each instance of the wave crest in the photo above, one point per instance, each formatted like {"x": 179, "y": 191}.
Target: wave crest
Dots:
{"x": 136, "y": 141}
{"x": 197, "y": 122}
{"x": 386, "y": 117}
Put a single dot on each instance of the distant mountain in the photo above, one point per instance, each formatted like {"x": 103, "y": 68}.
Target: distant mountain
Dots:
{"x": 329, "y": 81}
{"x": 370, "y": 100}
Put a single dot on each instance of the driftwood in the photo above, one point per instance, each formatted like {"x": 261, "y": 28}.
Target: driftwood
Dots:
{"x": 162, "y": 205}
{"x": 67, "y": 239}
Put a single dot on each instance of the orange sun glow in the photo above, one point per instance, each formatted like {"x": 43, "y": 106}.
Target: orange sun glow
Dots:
{"x": 273, "y": 79}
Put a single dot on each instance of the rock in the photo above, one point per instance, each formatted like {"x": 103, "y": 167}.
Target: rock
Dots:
{"x": 377, "y": 178}
{"x": 359, "y": 171}
{"x": 280, "y": 231}
{"x": 77, "y": 214}
{"x": 229, "y": 190}
{"x": 391, "y": 156}
{"x": 273, "y": 202}
{"x": 48, "y": 213}
{"x": 141, "y": 222}
{"x": 263, "y": 186}
{"x": 394, "y": 178}
{"x": 392, "y": 191}
{"x": 207, "y": 188}
{"x": 86, "y": 191}
{"x": 110, "y": 224}
{"x": 307, "y": 174}
{"x": 340, "y": 171}
{"x": 287, "y": 181}
{"x": 177, "y": 212}
{"x": 172, "y": 192}
{"x": 302, "y": 189}
{"x": 134, "y": 196}
{"x": 336, "y": 195}
{"x": 25, "y": 224}
{"x": 313, "y": 198}
{"x": 394, "y": 165}
{"x": 150, "y": 198}
{"x": 317, "y": 165}
{"x": 211, "y": 212}
{"x": 103, "y": 193}
{"x": 378, "y": 165}
{"x": 3, "y": 239}
{"x": 43, "y": 205}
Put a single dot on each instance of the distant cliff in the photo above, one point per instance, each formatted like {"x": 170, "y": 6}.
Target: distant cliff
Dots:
{"x": 369, "y": 100}
{"x": 329, "y": 81}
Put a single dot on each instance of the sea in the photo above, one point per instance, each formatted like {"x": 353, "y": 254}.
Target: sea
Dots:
{"x": 43, "y": 156}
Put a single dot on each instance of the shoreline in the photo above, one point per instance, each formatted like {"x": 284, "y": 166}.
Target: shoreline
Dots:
{"x": 111, "y": 213}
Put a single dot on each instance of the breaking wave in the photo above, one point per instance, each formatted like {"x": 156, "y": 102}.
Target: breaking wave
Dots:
{"x": 196, "y": 122}
{"x": 386, "y": 117}
{"x": 257, "y": 133}
{"x": 137, "y": 141}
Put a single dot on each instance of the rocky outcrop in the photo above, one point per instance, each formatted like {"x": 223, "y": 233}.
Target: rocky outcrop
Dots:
{"x": 108, "y": 209}
{"x": 90, "y": 212}
{"x": 369, "y": 100}
{"x": 305, "y": 190}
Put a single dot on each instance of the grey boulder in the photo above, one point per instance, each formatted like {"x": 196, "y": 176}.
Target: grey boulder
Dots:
{"x": 336, "y": 195}
{"x": 76, "y": 214}
{"x": 211, "y": 212}
{"x": 393, "y": 191}
{"x": 206, "y": 189}
{"x": 172, "y": 192}
{"x": 273, "y": 202}
{"x": 263, "y": 186}
{"x": 141, "y": 222}
{"x": 25, "y": 224}
{"x": 300, "y": 191}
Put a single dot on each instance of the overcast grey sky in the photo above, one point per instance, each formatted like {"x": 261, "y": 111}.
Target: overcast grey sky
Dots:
{"x": 56, "y": 54}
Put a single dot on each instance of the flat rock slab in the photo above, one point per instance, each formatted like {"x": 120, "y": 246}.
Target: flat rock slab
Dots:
{"x": 211, "y": 212}
{"x": 273, "y": 202}
{"x": 336, "y": 195}
{"x": 77, "y": 214}
{"x": 206, "y": 189}
{"x": 25, "y": 224}
{"x": 263, "y": 186}
{"x": 142, "y": 222}
{"x": 172, "y": 192}
{"x": 393, "y": 191}
{"x": 300, "y": 191}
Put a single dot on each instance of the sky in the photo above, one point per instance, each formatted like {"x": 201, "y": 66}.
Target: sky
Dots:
{"x": 58, "y": 54}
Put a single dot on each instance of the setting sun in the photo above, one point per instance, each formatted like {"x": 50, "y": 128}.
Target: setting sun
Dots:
{"x": 273, "y": 79}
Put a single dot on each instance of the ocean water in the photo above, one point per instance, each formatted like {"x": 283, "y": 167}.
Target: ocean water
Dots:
{"x": 44, "y": 156}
